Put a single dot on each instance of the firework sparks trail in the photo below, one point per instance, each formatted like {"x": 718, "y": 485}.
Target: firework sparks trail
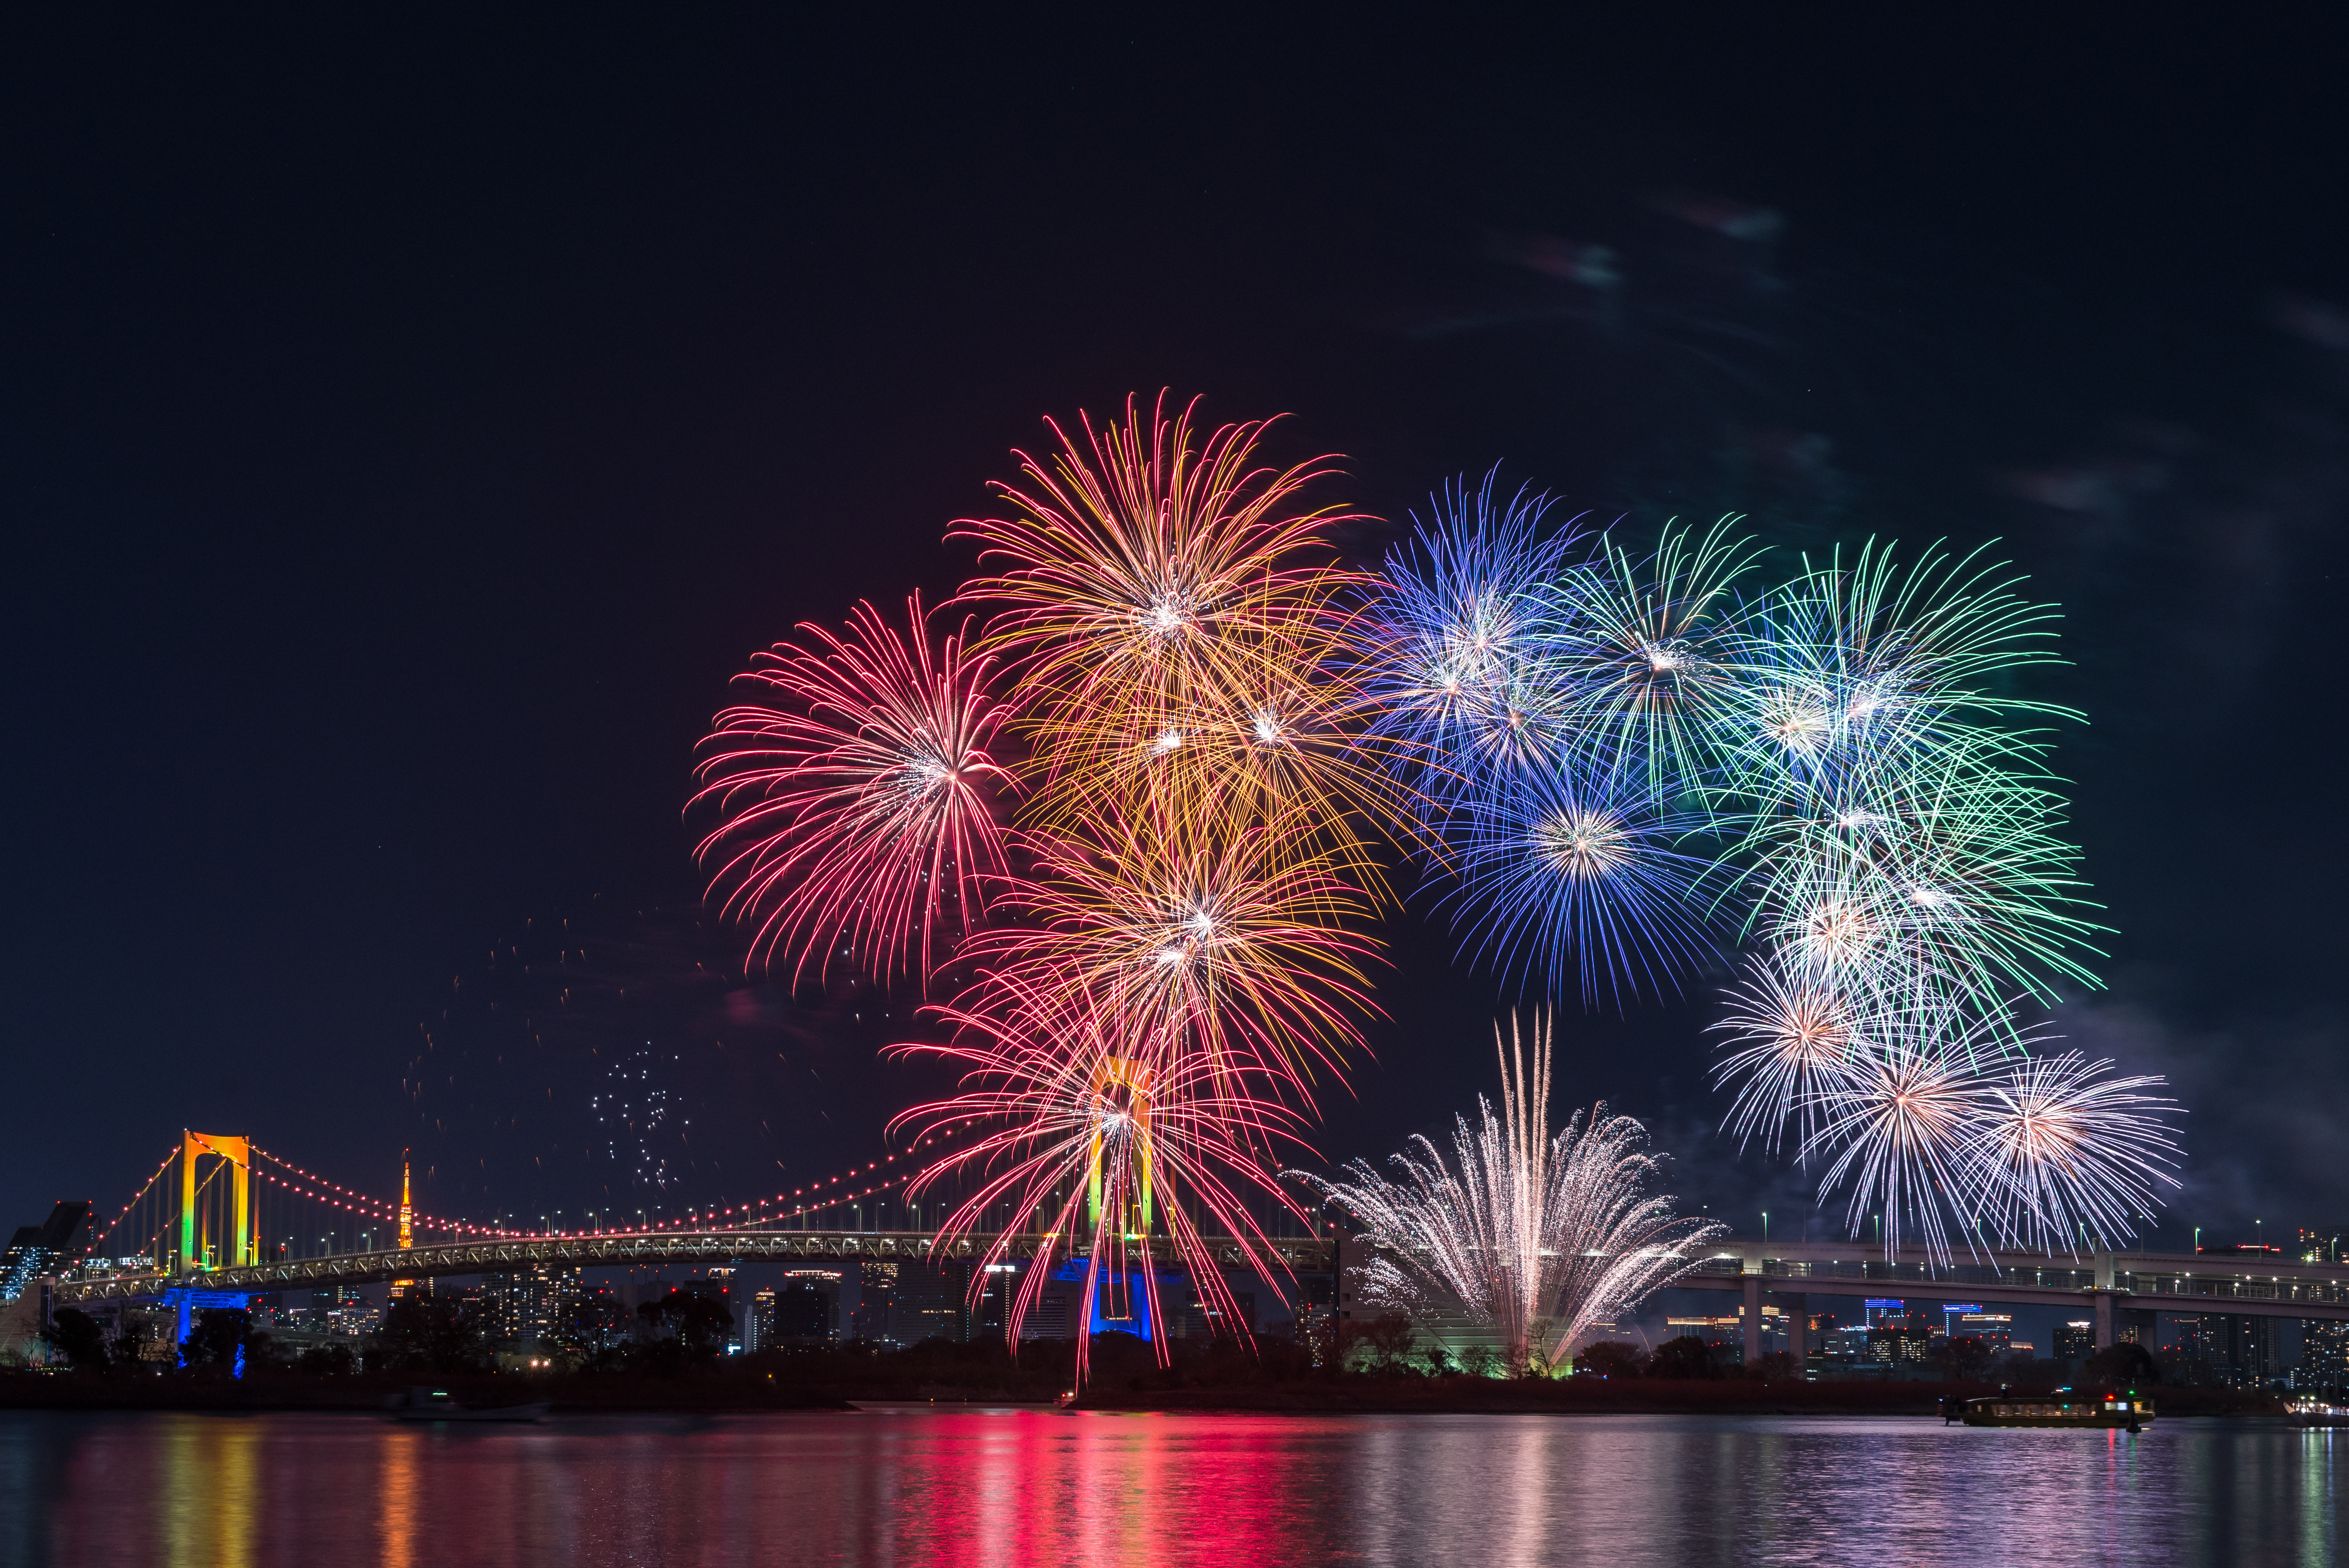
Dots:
{"x": 1564, "y": 876}
{"x": 1100, "y": 1128}
{"x": 1952, "y": 866}
{"x": 1846, "y": 670}
{"x": 1620, "y": 755}
{"x": 1457, "y": 641}
{"x": 2069, "y": 1156}
{"x": 1899, "y": 1131}
{"x": 855, "y": 815}
{"x": 1537, "y": 1235}
{"x": 1169, "y": 612}
{"x": 1799, "y": 1044}
{"x": 1649, "y": 655}
{"x": 1224, "y": 942}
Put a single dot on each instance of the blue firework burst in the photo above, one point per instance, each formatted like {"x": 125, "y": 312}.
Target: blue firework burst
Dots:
{"x": 1566, "y": 872}
{"x": 1458, "y": 642}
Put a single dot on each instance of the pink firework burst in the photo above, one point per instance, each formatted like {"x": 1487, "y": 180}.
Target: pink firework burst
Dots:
{"x": 1111, "y": 1140}
{"x": 855, "y": 812}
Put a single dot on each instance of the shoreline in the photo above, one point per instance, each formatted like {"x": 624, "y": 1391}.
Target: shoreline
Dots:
{"x": 720, "y": 1396}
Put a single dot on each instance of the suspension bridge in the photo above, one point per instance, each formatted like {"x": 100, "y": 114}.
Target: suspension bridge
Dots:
{"x": 221, "y": 1220}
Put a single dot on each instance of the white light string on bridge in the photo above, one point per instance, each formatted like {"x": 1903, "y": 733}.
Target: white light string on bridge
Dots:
{"x": 89, "y": 1249}
{"x": 750, "y": 1213}
{"x": 373, "y": 1208}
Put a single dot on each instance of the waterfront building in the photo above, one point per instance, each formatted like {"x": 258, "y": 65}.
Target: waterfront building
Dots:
{"x": 1725, "y": 1335}
{"x": 2252, "y": 1345}
{"x": 2323, "y": 1357}
{"x": 876, "y": 1303}
{"x": 1994, "y": 1329}
{"x": 718, "y": 1285}
{"x": 928, "y": 1304}
{"x": 807, "y": 1307}
{"x": 1841, "y": 1350}
{"x": 532, "y": 1309}
{"x": 328, "y": 1311}
{"x": 601, "y": 1320}
{"x": 1903, "y": 1350}
{"x": 38, "y": 1250}
{"x": 1050, "y": 1317}
{"x": 759, "y": 1324}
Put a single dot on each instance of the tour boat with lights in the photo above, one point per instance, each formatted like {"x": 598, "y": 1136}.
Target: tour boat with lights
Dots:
{"x": 2124, "y": 1407}
{"x": 2318, "y": 1413}
{"x": 423, "y": 1403}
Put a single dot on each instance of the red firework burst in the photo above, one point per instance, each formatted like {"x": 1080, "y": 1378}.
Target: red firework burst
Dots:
{"x": 1107, "y": 1143}
{"x": 855, "y": 817}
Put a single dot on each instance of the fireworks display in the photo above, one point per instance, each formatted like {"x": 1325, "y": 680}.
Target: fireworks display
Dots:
{"x": 1147, "y": 802}
{"x": 1537, "y": 1235}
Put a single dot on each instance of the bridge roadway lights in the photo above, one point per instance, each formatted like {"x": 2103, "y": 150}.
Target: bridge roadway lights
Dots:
{"x": 2117, "y": 1289}
{"x": 504, "y": 1255}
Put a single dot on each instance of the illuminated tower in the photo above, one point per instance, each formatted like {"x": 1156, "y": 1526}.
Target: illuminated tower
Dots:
{"x": 400, "y": 1287}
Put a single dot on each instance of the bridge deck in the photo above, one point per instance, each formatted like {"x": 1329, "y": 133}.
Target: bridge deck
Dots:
{"x": 2144, "y": 1281}
{"x": 505, "y": 1254}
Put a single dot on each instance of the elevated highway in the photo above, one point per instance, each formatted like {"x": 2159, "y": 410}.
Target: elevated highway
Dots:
{"x": 2097, "y": 1284}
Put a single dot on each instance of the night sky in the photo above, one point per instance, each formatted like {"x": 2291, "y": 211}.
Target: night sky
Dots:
{"x": 410, "y": 427}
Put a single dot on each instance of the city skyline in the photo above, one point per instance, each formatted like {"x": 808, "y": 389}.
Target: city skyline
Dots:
{"x": 376, "y": 889}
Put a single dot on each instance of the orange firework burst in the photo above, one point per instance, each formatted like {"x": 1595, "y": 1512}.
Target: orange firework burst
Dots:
{"x": 1229, "y": 945}
{"x": 1170, "y": 612}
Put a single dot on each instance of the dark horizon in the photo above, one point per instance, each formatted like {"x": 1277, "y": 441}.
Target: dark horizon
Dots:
{"x": 410, "y": 431}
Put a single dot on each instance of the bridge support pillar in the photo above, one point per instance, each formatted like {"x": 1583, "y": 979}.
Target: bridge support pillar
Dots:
{"x": 1752, "y": 1315}
{"x": 2104, "y": 1319}
{"x": 1798, "y": 1318}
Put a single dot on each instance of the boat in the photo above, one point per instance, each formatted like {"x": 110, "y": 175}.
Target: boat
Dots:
{"x": 2318, "y": 1413}
{"x": 423, "y": 1403}
{"x": 2125, "y": 1409}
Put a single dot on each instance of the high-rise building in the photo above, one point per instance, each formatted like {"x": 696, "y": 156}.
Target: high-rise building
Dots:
{"x": 2325, "y": 1245}
{"x": 2323, "y": 1357}
{"x": 38, "y": 1250}
{"x": 759, "y": 1324}
{"x": 1996, "y": 1329}
{"x": 532, "y": 1308}
{"x": 1838, "y": 1350}
{"x": 2253, "y": 1357}
{"x": 1050, "y": 1317}
{"x": 877, "y": 1303}
{"x": 718, "y": 1287}
{"x": 807, "y": 1307}
{"x": 2076, "y": 1340}
{"x": 928, "y": 1304}
{"x": 600, "y": 1319}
